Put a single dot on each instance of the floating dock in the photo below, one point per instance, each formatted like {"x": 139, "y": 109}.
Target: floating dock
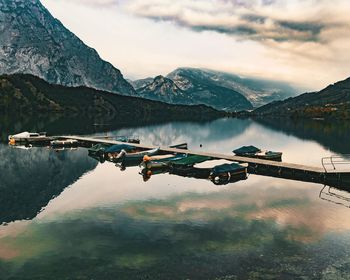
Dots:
{"x": 262, "y": 167}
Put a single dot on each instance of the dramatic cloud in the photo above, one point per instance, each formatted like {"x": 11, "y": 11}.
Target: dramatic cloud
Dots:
{"x": 271, "y": 20}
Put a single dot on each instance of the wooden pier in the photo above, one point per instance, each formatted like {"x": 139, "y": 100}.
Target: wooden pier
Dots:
{"x": 255, "y": 166}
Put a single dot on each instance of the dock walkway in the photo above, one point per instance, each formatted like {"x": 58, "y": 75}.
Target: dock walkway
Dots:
{"x": 256, "y": 166}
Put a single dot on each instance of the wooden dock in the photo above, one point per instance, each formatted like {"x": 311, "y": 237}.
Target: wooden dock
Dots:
{"x": 256, "y": 166}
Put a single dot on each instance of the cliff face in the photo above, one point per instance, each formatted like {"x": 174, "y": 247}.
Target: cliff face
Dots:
{"x": 32, "y": 41}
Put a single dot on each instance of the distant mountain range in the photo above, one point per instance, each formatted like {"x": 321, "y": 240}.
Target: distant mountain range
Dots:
{"x": 331, "y": 102}
{"x": 32, "y": 41}
{"x": 23, "y": 94}
{"x": 218, "y": 89}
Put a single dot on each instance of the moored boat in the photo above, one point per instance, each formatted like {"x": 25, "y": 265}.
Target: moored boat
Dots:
{"x": 136, "y": 155}
{"x": 254, "y": 152}
{"x": 29, "y": 137}
{"x": 220, "y": 172}
{"x": 98, "y": 149}
{"x": 162, "y": 161}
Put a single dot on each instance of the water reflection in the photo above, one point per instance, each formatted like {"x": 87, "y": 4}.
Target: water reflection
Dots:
{"x": 333, "y": 135}
{"x": 29, "y": 179}
{"x": 110, "y": 224}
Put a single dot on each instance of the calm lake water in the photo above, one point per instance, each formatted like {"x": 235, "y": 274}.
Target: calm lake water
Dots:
{"x": 66, "y": 216}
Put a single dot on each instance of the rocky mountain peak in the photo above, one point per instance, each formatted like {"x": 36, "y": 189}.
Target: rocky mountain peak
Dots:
{"x": 32, "y": 41}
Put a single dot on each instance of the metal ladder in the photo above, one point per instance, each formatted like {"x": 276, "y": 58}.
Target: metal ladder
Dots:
{"x": 335, "y": 161}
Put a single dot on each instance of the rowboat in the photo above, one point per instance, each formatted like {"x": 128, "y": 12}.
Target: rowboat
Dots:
{"x": 254, "y": 152}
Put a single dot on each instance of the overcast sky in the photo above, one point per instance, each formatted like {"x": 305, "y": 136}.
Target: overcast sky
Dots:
{"x": 304, "y": 42}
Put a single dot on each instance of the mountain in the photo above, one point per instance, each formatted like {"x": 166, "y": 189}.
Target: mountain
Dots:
{"x": 165, "y": 90}
{"x": 331, "y": 102}
{"x": 32, "y": 41}
{"x": 189, "y": 89}
{"x": 27, "y": 95}
{"x": 259, "y": 92}
{"x": 140, "y": 83}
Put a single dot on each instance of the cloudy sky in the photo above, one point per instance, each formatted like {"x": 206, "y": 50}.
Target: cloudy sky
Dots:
{"x": 304, "y": 42}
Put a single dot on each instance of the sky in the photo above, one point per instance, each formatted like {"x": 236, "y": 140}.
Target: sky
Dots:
{"x": 303, "y": 42}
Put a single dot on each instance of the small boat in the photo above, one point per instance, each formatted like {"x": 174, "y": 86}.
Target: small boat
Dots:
{"x": 254, "y": 152}
{"x": 29, "y": 137}
{"x": 98, "y": 149}
{"x": 220, "y": 172}
{"x": 124, "y": 155}
{"x": 69, "y": 143}
{"x": 161, "y": 161}
{"x": 118, "y": 148}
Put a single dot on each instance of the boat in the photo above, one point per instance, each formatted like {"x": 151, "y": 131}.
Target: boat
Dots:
{"x": 69, "y": 143}
{"x": 98, "y": 149}
{"x": 228, "y": 173}
{"x": 161, "y": 161}
{"x": 220, "y": 172}
{"x": 124, "y": 155}
{"x": 254, "y": 152}
{"x": 29, "y": 137}
{"x": 118, "y": 148}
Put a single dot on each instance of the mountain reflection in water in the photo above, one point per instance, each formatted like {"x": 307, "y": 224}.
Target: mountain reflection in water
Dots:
{"x": 107, "y": 223}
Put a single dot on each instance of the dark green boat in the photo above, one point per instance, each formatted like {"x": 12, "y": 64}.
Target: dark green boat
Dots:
{"x": 254, "y": 152}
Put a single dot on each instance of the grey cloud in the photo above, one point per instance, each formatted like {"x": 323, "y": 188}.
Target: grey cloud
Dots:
{"x": 252, "y": 20}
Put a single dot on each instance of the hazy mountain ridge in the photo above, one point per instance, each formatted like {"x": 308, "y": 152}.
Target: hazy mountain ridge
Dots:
{"x": 331, "y": 102}
{"x": 186, "y": 88}
{"x": 258, "y": 91}
{"x": 34, "y": 42}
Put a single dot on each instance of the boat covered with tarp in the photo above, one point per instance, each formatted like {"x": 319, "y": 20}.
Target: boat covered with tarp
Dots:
{"x": 220, "y": 172}
{"x": 254, "y": 152}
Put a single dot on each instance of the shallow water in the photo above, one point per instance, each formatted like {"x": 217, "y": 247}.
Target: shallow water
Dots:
{"x": 66, "y": 216}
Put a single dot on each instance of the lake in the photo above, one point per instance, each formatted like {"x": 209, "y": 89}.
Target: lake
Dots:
{"x": 64, "y": 215}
